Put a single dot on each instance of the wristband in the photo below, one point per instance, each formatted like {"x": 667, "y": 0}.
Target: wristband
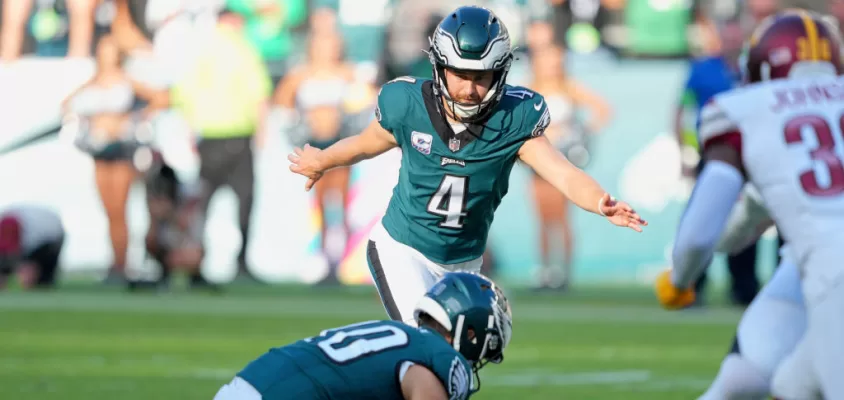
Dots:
{"x": 601, "y": 206}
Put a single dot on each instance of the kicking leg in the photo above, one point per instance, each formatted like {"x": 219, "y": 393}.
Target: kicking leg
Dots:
{"x": 400, "y": 278}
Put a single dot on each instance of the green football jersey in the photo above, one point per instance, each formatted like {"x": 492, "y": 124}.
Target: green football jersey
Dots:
{"x": 450, "y": 184}
{"x": 360, "y": 361}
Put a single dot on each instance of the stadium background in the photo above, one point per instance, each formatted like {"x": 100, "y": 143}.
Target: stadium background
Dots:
{"x": 636, "y": 158}
{"x": 604, "y": 339}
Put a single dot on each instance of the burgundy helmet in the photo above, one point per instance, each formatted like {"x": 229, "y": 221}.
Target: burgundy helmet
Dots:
{"x": 10, "y": 235}
{"x": 791, "y": 43}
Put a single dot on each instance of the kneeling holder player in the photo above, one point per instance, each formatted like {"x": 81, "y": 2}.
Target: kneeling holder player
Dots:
{"x": 464, "y": 322}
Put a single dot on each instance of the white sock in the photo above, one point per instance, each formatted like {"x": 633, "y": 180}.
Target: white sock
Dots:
{"x": 738, "y": 380}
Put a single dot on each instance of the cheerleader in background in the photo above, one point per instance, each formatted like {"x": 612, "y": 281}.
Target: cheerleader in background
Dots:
{"x": 318, "y": 103}
{"x": 565, "y": 97}
{"x": 108, "y": 131}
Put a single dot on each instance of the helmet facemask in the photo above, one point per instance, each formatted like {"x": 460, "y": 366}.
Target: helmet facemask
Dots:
{"x": 499, "y": 330}
{"x": 468, "y": 112}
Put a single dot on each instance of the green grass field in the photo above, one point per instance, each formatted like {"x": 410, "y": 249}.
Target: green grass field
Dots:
{"x": 83, "y": 342}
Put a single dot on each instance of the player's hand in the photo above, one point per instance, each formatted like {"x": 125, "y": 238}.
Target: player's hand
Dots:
{"x": 621, "y": 214}
{"x": 670, "y": 296}
{"x": 305, "y": 162}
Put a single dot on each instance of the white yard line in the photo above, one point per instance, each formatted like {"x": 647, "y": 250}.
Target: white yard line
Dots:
{"x": 639, "y": 379}
{"x": 351, "y": 308}
{"x": 530, "y": 379}
{"x": 634, "y": 378}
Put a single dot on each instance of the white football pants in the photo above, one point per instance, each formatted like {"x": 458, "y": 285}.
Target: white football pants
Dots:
{"x": 768, "y": 332}
{"x": 403, "y": 275}
{"x": 815, "y": 369}
{"x": 238, "y": 389}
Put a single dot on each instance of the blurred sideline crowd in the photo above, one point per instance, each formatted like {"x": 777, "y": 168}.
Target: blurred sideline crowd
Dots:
{"x": 240, "y": 70}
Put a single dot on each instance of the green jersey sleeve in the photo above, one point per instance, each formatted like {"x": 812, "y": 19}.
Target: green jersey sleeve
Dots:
{"x": 393, "y": 105}
{"x": 534, "y": 112}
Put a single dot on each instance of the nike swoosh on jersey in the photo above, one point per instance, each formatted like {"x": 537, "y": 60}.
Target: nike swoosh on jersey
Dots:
{"x": 537, "y": 106}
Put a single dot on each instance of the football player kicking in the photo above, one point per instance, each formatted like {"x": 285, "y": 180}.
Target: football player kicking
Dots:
{"x": 464, "y": 322}
{"x": 782, "y": 133}
{"x": 460, "y": 135}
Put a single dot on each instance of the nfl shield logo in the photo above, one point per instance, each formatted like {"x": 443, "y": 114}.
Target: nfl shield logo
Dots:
{"x": 454, "y": 144}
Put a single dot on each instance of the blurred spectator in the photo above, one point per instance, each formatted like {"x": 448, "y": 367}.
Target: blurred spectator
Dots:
{"x": 162, "y": 37}
{"x": 223, "y": 97}
{"x": 540, "y": 36}
{"x": 757, "y": 10}
{"x": 31, "y": 239}
{"x": 565, "y": 98}
{"x": 529, "y": 25}
{"x": 176, "y": 229}
{"x": 836, "y": 9}
{"x": 108, "y": 130}
{"x": 321, "y": 99}
{"x": 323, "y": 20}
{"x": 658, "y": 29}
{"x": 129, "y": 29}
{"x": 580, "y": 25}
{"x": 712, "y": 73}
{"x": 420, "y": 66}
{"x": 362, "y": 24}
{"x": 269, "y": 26}
{"x": 59, "y": 27}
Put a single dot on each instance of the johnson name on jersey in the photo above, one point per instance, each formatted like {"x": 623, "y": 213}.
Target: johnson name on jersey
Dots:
{"x": 452, "y": 177}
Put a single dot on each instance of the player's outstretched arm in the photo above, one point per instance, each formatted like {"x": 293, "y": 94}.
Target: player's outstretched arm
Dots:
{"x": 373, "y": 141}
{"x": 312, "y": 162}
{"x": 419, "y": 383}
{"x": 577, "y": 185}
{"x": 716, "y": 191}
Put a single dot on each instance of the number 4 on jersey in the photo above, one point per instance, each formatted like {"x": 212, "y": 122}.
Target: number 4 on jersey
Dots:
{"x": 449, "y": 201}
{"x": 519, "y": 93}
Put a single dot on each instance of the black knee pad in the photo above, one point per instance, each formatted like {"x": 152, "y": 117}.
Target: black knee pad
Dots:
{"x": 734, "y": 349}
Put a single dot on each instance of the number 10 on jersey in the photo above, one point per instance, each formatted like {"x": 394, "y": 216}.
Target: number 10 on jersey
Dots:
{"x": 449, "y": 201}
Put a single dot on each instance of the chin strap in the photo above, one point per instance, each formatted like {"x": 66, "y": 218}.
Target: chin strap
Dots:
{"x": 476, "y": 379}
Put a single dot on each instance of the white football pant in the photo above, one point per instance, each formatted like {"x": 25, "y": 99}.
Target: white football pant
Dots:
{"x": 403, "y": 275}
{"x": 238, "y": 389}
{"x": 816, "y": 367}
{"x": 768, "y": 332}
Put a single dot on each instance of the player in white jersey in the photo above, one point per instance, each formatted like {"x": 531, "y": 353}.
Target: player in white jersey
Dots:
{"x": 774, "y": 322}
{"x": 783, "y": 133}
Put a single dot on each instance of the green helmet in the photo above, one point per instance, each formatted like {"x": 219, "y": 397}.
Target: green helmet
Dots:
{"x": 462, "y": 302}
{"x": 471, "y": 39}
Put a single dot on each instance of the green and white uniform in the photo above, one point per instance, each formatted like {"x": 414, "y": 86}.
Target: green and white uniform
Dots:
{"x": 453, "y": 175}
{"x": 449, "y": 187}
{"x": 361, "y": 361}
{"x": 369, "y": 360}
